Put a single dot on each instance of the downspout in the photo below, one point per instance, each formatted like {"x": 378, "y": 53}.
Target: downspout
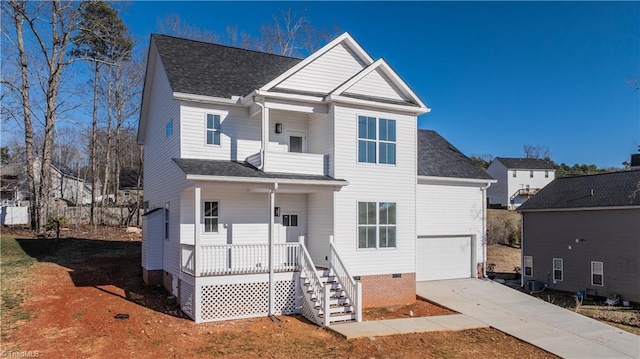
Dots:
{"x": 484, "y": 230}
{"x": 272, "y": 195}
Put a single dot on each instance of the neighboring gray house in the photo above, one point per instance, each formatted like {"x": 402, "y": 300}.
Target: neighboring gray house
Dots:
{"x": 583, "y": 232}
{"x": 518, "y": 180}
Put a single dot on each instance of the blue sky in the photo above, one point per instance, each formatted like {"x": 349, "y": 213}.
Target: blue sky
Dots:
{"x": 497, "y": 75}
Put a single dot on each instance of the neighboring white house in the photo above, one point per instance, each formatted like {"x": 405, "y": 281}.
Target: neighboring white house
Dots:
{"x": 259, "y": 168}
{"x": 518, "y": 180}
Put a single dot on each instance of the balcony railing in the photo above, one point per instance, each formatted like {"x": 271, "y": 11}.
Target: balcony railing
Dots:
{"x": 229, "y": 259}
{"x": 292, "y": 162}
{"x": 527, "y": 192}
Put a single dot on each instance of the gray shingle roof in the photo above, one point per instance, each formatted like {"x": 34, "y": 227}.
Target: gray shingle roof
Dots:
{"x": 525, "y": 163}
{"x": 612, "y": 189}
{"x": 439, "y": 158}
{"x": 237, "y": 169}
{"x": 207, "y": 69}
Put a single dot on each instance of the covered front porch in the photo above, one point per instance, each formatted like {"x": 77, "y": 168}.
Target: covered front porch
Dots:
{"x": 253, "y": 248}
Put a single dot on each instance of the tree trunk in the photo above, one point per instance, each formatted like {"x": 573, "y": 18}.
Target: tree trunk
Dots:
{"x": 26, "y": 108}
{"x": 94, "y": 137}
{"x": 107, "y": 163}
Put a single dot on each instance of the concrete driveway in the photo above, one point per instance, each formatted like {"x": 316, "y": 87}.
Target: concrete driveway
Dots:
{"x": 547, "y": 326}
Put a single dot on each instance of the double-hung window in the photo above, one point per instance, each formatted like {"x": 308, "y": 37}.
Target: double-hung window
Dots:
{"x": 376, "y": 225}
{"x": 528, "y": 266}
{"x": 210, "y": 217}
{"x": 213, "y": 129}
{"x": 376, "y": 140}
{"x": 168, "y": 129}
{"x": 558, "y": 269}
{"x": 597, "y": 273}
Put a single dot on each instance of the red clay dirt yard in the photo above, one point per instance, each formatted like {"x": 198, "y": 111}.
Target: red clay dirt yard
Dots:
{"x": 64, "y": 304}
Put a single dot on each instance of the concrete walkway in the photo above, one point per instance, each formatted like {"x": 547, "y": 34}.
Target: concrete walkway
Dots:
{"x": 547, "y": 326}
{"x": 377, "y": 328}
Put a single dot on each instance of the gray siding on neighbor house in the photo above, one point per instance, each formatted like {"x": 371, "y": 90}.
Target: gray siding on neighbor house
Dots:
{"x": 608, "y": 236}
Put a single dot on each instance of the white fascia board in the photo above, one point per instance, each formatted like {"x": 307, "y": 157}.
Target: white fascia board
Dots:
{"x": 375, "y": 104}
{"x": 288, "y": 96}
{"x": 344, "y": 37}
{"x": 577, "y": 209}
{"x": 180, "y": 96}
{"x": 455, "y": 180}
{"x": 146, "y": 91}
{"x": 207, "y": 178}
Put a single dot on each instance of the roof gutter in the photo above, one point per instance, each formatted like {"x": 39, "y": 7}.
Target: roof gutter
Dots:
{"x": 181, "y": 96}
{"x": 578, "y": 209}
{"x": 208, "y": 178}
{"x": 476, "y": 181}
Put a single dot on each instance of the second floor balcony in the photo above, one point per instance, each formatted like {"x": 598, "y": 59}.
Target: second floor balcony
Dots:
{"x": 279, "y": 161}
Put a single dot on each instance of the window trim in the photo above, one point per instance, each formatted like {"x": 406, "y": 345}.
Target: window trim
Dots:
{"x": 601, "y": 274}
{"x": 213, "y": 130}
{"x": 204, "y": 226}
{"x": 524, "y": 266}
{"x": 377, "y": 141}
{"x": 377, "y": 226}
{"x": 561, "y": 269}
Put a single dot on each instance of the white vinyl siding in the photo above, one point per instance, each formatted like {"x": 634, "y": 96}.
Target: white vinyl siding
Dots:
{"x": 320, "y": 138}
{"x": 163, "y": 180}
{"x": 528, "y": 266}
{"x": 152, "y": 242}
{"x": 239, "y": 134}
{"x": 371, "y": 183}
{"x": 558, "y": 269}
{"x": 376, "y": 84}
{"x": 597, "y": 273}
{"x": 450, "y": 209}
{"x": 326, "y": 72}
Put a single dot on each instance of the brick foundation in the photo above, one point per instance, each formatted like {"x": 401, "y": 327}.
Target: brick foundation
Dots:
{"x": 385, "y": 290}
{"x": 152, "y": 277}
{"x": 480, "y": 270}
{"x": 167, "y": 282}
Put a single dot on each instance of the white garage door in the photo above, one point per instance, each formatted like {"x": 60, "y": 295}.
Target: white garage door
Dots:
{"x": 443, "y": 258}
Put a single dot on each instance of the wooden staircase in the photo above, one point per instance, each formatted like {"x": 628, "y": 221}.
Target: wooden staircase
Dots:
{"x": 339, "y": 306}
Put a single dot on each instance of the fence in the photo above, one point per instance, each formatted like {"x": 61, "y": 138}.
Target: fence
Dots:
{"x": 111, "y": 216}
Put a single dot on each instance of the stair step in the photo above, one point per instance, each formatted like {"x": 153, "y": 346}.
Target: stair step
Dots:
{"x": 340, "y": 317}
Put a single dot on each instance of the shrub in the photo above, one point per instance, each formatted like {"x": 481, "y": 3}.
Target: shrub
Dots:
{"x": 503, "y": 227}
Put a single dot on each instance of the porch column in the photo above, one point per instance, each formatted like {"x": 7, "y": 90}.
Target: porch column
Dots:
{"x": 197, "y": 294}
{"x": 265, "y": 133}
{"x": 196, "y": 231}
{"x": 272, "y": 283}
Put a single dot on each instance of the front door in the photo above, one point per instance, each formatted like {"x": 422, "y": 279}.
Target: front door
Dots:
{"x": 293, "y": 226}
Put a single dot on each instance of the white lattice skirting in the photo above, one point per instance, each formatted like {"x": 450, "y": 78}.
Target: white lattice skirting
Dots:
{"x": 240, "y": 296}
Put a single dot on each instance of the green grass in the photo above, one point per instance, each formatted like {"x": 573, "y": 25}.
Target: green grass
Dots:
{"x": 14, "y": 267}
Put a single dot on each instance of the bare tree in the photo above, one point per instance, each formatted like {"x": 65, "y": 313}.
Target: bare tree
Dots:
{"x": 50, "y": 26}
{"x": 289, "y": 34}
{"x": 536, "y": 152}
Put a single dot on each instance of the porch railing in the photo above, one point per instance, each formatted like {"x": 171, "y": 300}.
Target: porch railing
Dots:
{"x": 352, "y": 289}
{"x": 227, "y": 259}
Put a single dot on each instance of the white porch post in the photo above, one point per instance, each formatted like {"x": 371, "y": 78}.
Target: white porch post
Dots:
{"x": 197, "y": 294}
{"x": 265, "y": 133}
{"x": 272, "y": 283}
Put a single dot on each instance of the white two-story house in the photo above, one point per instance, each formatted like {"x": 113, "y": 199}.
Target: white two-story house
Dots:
{"x": 518, "y": 180}
{"x": 277, "y": 185}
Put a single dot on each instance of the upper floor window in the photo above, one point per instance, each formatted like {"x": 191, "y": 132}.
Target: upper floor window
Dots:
{"x": 376, "y": 140}
{"x": 530, "y": 174}
{"x": 213, "y": 129}
{"x": 515, "y": 173}
{"x": 168, "y": 130}
{"x": 546, "y": 174}
{"x": 376, "y": 225}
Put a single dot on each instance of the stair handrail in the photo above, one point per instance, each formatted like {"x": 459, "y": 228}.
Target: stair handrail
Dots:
{"x": 308, "y": 270}
{"x": 352, "y": 289}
